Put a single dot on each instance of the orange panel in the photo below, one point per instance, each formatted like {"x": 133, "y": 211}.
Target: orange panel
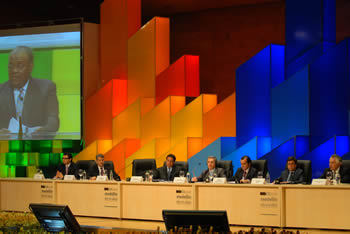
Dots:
{"x": 184, "y": 150}
{"x": 147, "y": 104}
{"x": 226, "y": 113}
{"x": 119, "y": 20}
{"x": 120, "y": 152}
{"x": 96, "y": 147}
{"x": 120, "y": 96}
{"x": 148, "y": 55}
{"x": 194, "y": 145}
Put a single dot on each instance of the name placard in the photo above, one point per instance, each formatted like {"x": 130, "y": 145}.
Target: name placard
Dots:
{"x": 39, "y": 177}
{"x": 319, "y": 182}
{"x": 180, "y": 180}
{"x": 258, "y": 181}
{"x": 69, "y": 177}
{"x": 219, "y": 180}
{"x": 136, "y": 179}
{"x": 101, "y": 178}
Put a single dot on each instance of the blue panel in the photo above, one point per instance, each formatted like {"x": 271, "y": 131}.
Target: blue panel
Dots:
{"x": 250, "y": 149}
{"x": 342, "y": 145}
{"x": 302, "y": 145}
{"x": 253, "y": 104}
{"x": 320, "y": 157}
{"x": 329, "y": 21}
{"x": 290, "y": 108}
{"x": 263, "y": 146}
{"x": 277, "y": 158}
{"x": 222, "y": 146}
{"x": 277, "y": 65}
{"x": 329, "y": 95}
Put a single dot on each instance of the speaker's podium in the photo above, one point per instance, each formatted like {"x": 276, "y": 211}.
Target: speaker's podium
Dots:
{"x": 196, "y": 220}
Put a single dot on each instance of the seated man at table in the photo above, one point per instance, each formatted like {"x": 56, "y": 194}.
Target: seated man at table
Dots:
{"x": 99, "y": 169}
{"x": 67, "y": 167}
{"x": 169, "y": 170}
{"x": 212, "y": 171}
{"x": 292, "y": 174}
{"x": 336, "y": 167}
{"x": 246, "y": 172}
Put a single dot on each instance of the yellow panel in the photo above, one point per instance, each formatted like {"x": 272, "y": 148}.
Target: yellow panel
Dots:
{"x": 148, "y": 55}
{"x": 147, "y": 104}
{"x": 184, "y": 149}
{"x": 127, "y": 123}
{"x": 188, "y": 122}
{"x": 103, "y": 146}
{"x": 57, "y": 146}
{"x": 90, "y": 152}
{"x": 4, "y": 146}
{"x": 225, "y": 112}
{"x": 2, "y": 159}
{"x": 156, "y": 123}
{"x": 31, "y": 170}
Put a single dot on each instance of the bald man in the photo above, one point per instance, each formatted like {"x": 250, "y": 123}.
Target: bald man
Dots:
{"x": 34, "y": 101}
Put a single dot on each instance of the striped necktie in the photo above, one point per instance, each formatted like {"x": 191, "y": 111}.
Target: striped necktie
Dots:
{"x": 19, "y": 103}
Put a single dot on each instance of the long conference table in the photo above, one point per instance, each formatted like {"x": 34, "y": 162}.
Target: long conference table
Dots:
{"x": 292, "y": 206}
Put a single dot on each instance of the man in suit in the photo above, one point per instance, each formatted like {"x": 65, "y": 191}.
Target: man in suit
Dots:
{"x": 336, "y": 167}
{"x": 99, "y": 169}
{"x": 169, "y": 170}
{"x": 67, "y": 167}
{"x": 212, "y": 171}
{"x": 25, "y": 99}
{"x": 292, "y": 174}
{"x": 246, "y": 172}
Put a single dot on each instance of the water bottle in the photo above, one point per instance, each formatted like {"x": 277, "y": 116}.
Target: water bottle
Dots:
{"x": 147, "y": 176}
{"x": 84, "y": 175}
{"x": 267, "y": 179}
{"x": 111, "y": 175}
{"x": 337, "y": 178}
{"x": 188, "y": 177}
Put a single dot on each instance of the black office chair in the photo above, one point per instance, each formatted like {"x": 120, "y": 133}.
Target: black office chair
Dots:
{"x": 260, "y": 165}
{"x": 140, "y": 166}
{"x": 346, "y": 163}
{"x": 227, "y": 166}
{"x": 109, "y": 165}
{"x": 305, "y": 165}
{"x": 85, "y": 164}
{"x": 182, "y": 165}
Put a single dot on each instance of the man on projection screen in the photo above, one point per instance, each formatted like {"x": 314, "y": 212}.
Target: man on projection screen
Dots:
{"x": 24, "y": 99}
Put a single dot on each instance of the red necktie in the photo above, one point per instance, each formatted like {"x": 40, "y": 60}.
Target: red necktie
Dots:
{"x": 66, "y": 170}
{"x": 244, "y": 174}
{"x": 102, "y": 172}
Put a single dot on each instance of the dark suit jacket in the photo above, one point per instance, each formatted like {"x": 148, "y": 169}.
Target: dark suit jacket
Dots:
{"x": 162, "y": 173}
{"x": 93, "y": 171}
{"x": 296, "y": 178}
{"x": 252, "y": 173}
{"x": 220, "y": 172}
{"x": 40, "y": 107}
{"x": 72, "y": 169}
{"x": 344, "y": 174}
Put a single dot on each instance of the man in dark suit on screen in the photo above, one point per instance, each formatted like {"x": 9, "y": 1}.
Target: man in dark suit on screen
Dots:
{"x": 292, "y": 174}
{"x": 212, "y": 171}
{"x": 99, "y": 169}
{"x": 336, "y": 167}
{"x": 24, "y": 99}
{"x": 246, "y": 172}
{"x": 67, "y": 167}
{"x": 169, "y": 171}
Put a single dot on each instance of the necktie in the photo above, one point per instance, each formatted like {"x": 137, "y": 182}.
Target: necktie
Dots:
{"x": 169, "y": 172}
{"x": 102, "y": 171}
{"x": 19, "y": 103}
{"x": 289, "y": 176}
{"x": 244, "y": 175}
{"x": 66, "y": 170}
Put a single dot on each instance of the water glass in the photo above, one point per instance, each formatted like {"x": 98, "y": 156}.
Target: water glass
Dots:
{"x": 182, "y": 173}
{"x": 260, "y": 174}
{"x": 81, "y": 173}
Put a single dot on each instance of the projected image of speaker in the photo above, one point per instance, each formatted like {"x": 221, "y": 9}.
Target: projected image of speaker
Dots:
{"x": 194, "y": 220}
{"x": 55, "y": 218}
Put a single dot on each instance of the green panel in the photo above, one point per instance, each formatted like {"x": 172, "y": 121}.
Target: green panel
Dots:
{"x": 4, "y": 58}
{"x": 55, "y": 159}
{"x": 44, "y": 160}
{"x": 66, "y": 71}
{"x": 33, "y": 159}
{"x": 11, "y": 171}
{"x": 2, "y": 159}
{"x": 11, "y": 158}
{"x": 21, "y": 171}
{"x": 57, "y": 145}
{"x": 17, "y": 159}
{"x": 69, "y": 113}
{"x": 3, "y": 171}
{"x": 42, "y": 64}
{"x": 20, "y": 146}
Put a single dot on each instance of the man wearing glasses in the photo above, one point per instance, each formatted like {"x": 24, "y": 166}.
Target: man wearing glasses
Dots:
{"x": 67, "y": 167}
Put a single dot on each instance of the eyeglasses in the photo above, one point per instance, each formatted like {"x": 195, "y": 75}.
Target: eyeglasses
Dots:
{"x": 65, "y": 158}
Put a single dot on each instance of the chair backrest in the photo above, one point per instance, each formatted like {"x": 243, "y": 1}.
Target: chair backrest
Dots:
{"x": 260, "y": 165}
{"x": 182, "y": 165}
{"x": 85, "y": 164}
{"x": 227, "y": 165}
{"x": 346, "y": 163}
{"x": 305, "y": 165}
{"x": 109, "y": 165}
{"x": 140, "y": 166}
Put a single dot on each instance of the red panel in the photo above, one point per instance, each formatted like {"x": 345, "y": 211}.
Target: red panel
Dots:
{"x": 120, "y": 152}
{"x": 120, "y": 96}
{"x": 180, "y": 79}
{"x": 98, "y": 115}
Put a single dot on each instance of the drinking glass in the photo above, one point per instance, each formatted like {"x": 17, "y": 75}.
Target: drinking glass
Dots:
{"x": 81, "y": 173}
{"x": 260, "y": 174}
{"x": 182, "y": 173}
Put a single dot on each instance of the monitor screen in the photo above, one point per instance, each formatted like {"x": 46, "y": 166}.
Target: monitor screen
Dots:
{"x": 205, "y": 220}
{"x": 40, "y": 82}
{"x": 55, "y": 218}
